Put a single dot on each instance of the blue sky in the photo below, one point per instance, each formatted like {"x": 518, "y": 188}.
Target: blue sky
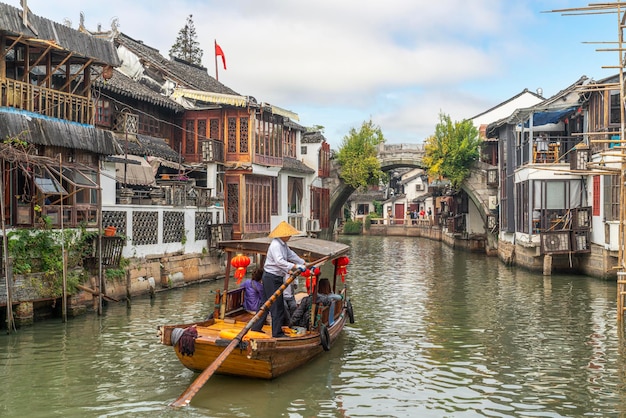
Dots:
{"x": 338, "y": 63}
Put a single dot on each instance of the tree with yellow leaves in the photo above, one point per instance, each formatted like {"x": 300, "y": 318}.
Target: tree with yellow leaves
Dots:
{"x": 452, "y": 150}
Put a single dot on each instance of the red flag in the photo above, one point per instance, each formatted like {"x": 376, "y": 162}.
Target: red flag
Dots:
{"x": 218, "y": 52}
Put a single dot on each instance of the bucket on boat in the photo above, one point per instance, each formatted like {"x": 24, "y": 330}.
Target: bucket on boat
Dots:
{"x": 110, "y": 231}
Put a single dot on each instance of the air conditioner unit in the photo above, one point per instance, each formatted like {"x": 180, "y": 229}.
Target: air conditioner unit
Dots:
{"x": 313, "y": 225}
{"x": 555, "y": 242}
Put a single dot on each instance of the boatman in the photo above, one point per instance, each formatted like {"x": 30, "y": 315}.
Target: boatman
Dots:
{"x": 280, "y": 260}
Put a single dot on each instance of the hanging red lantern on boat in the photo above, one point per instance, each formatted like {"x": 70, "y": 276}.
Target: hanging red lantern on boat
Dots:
{"x": 341, "y": 263}
{"x": 311, "y": 277}
{"x": 240, "y": 262}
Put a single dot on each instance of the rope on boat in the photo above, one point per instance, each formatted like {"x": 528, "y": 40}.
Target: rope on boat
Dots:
{"x": 175, "y": 336}
{"x": 187, "y": 341}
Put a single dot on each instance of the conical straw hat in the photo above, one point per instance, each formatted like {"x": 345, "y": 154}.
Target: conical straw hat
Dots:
{"x": 283, "y": 230}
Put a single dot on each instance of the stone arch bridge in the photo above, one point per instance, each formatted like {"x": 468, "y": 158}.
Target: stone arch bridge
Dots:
{"x": 393, "y": 156}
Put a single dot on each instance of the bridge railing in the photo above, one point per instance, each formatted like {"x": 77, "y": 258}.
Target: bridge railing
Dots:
{"x": 402, "y": 147}
{"x": 402, "y": 221}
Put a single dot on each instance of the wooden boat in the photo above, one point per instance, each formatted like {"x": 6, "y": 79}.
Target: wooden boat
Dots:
{"x": 259, "y": 355}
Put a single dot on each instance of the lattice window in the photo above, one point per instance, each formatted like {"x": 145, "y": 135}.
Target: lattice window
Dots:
{"x": 115, "y": 218}
{"x": 611, "y": 197}
{"x": 173, "y": 226}
{"x": 232, "y": 134}
{"x": 126, "y": 122}
{"x": 145, "y": 228}
{"x": 214, "y": 128}
{"x": 203, "y": 221}
{"x": 232, "y": 191}
{"x": 243, "y": 135}
{"x": 190, "y": 137}
{"x": 274, "y": 186}
{"x": 201, "y": 129}
{"x": 324, "y": 160}
{"x": 258, "y": 203}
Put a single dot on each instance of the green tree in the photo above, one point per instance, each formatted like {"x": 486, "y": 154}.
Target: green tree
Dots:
{"x": 452, "y": 150}
{"x": 186, "y": 46}
{"x": 357, "y": 156}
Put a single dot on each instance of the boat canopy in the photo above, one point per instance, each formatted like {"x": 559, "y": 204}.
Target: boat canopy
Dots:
{"x": 305, "y": 247}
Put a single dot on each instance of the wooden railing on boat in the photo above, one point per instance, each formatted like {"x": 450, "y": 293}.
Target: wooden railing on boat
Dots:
{"x": 232, "y": 305}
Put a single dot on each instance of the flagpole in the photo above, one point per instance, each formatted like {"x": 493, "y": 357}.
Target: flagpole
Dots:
{"x": 217, "y": 78}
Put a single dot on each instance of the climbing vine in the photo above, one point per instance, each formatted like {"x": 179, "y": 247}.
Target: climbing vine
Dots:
{"x": 39, "y": 252}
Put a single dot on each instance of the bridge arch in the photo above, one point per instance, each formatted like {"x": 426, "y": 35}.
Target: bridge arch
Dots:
{"x": 395, "y": 156}
{"x": 392, "y": 156}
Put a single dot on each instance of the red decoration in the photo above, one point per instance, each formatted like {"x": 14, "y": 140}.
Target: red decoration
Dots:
{"x": 341, "y": 263}
{"x": 240, "y": 262}
{"x": 218, "y": 52}
{"x": 311, "y": 276}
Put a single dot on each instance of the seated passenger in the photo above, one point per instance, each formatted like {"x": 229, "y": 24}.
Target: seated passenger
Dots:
{"x": 254, "y": 295}
{"x": 325, "y": 294}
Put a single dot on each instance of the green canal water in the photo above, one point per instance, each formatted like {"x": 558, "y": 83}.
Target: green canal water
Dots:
{"x": 438, "y": 333}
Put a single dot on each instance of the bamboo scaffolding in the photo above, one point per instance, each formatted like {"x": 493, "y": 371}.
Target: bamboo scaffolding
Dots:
{"x": 619, "y": 9}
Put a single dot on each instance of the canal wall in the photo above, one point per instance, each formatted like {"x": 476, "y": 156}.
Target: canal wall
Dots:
{"x": 142, "y": 276}
{"x": 599, "y": 262}
{"x": 426, "y": 228}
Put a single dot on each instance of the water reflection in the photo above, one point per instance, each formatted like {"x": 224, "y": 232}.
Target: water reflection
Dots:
{"x": 437, "y": 333}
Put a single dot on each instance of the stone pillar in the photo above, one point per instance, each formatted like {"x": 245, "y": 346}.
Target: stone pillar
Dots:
{"x": 547, "y": 265}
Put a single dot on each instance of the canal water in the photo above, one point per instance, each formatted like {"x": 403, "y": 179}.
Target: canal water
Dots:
{"x": 438, "y": 333}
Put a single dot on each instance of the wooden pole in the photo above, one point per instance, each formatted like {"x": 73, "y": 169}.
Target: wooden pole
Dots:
{"x": 100, "y": 286}
{"x": 217, "y": 77}
{"x": 622, "y": 217}
{"x": 185, "y": 397}
{"x": 5, "y": 253}
{"x": 63, "y": 258}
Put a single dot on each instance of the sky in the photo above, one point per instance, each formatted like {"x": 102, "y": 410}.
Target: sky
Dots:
{"x": 398, "y": 63}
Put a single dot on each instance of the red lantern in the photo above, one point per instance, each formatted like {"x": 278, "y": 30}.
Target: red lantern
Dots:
{"x": 311, "y": 276}
{"x": 240, "y": 262}
{"x": 341, "y": 263}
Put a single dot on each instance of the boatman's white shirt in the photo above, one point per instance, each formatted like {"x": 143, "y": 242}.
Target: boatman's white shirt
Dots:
{"x": 280, "y": 258}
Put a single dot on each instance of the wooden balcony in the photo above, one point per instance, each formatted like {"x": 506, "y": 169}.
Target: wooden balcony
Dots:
{"x": 546, "y": 154}
{"x": 47, "y": 102}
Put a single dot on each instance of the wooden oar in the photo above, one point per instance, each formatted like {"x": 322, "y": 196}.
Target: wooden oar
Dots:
{"x": 185, "y": 397}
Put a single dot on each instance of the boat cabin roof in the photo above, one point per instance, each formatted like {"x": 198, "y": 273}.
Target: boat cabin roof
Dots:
{"x": 305, "y": 247}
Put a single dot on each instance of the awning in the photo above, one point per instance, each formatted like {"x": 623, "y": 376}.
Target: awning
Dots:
{"x": 141, "y": 174}
{"x": 550, "y": 117}
{"x": 284, "y": 112}
{"x": 204, "y": 96}
{"x": 155, "y": 162}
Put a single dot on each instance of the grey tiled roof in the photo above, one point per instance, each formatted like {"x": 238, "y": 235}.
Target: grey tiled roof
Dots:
{"x": 126, "y": 86}
{"x": 296, "y": 166}
{"x": 313, "y": 137}
{"x": 79, "y": 43}
{"x": 41, "y": 130}
{"x": 185, "y": 74}
{"x": 145, "y": 145}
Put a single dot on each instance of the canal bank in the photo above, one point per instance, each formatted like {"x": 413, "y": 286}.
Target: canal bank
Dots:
{"x": 598, "y": 262}
{"x": 425, "y": 228}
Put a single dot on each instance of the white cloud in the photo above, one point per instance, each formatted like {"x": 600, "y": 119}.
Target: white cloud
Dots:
{"x": 339, "y": 63}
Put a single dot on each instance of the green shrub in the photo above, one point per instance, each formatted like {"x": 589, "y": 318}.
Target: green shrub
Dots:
{"x": 40, "y": 251}
{"x": 353, "y": 227}
{"x": 368, "y": 222}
